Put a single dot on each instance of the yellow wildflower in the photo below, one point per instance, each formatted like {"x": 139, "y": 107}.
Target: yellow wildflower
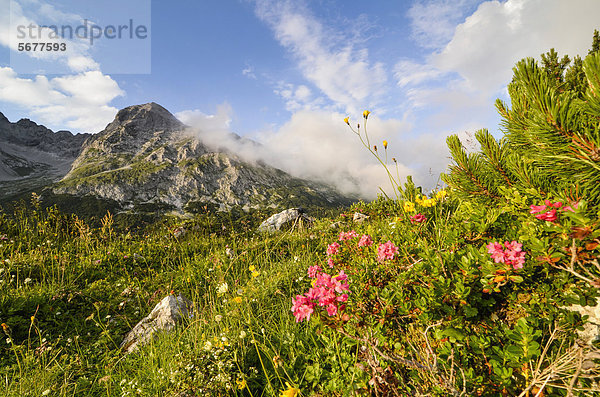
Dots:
{"x": 241, "y": 384}
{"x": 237, "y": 299}
{"x": 428, "y": 203}
{"x": 385, "y": 144}
{"x": 346, "y": 120}
{"x": 290, "y": 392}
{"x": 409, "y": 207}
{"x": 441, "y": 194}
{"x": 5, "y": 327}
{"x": 366, "y": 114}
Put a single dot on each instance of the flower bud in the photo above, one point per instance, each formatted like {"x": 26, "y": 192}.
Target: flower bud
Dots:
{"x": 346, "y": 120}
{"x": 385, "y": 144}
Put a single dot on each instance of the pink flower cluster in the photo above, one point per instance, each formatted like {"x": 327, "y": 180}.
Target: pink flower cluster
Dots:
{"x": 386, "y": 251}
{"x": 344, "y": 236}
{"x": 327, "y": 291}
{"x": 333, "y": 249}
{"x": 419, "y": 218}
{"x": 313, "y": 271}
{"x": 365, "y": 241}
{"x": 547, "y": 211}
{"x": 511, "y": 253}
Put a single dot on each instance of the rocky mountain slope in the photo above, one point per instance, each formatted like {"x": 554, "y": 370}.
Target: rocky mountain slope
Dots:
{"x": 32, "y": 155}
{"x": 148, "y": 156}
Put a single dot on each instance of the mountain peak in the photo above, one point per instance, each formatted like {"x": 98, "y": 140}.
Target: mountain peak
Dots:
{"x": 147, "y": 116}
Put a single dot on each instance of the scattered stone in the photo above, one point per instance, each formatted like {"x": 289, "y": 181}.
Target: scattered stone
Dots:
{"x": 294, "y": 216}
{"x": 359, "y": 218}
{"x": 104, "y": 379}
{"x": 336, "y": 225}
{"x": 591, "y": 329}
{"x": 165, "y": 315}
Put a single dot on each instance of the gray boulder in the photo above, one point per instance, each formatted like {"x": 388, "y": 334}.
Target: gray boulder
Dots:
{"x": 591, "y": 329}
{"x": 359, "y": 218}
{"x": 164, "y": 317}
{"x": 293, "y": 216}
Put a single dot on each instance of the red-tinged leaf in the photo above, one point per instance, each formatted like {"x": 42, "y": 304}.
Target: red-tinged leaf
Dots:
{"x": 499, "y": 279}
{"x": 549, "y": 259}
{"x": 580, "y": 232}
{"x": 591, "y": 246}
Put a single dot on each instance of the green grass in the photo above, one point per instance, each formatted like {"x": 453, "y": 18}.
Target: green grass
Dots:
{"x": 87, "y": 287}
{"x": 70, "y": 292}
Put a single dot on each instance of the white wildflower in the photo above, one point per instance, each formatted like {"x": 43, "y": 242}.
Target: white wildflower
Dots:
{"x": 222, "y": 289}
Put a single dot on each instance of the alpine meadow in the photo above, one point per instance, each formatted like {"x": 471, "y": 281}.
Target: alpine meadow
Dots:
{"x": 487, "y": 285}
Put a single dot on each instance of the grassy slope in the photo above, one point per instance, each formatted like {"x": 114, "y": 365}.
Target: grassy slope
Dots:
{"x": 85, "y": 289}
{"x": 68, "y": 294}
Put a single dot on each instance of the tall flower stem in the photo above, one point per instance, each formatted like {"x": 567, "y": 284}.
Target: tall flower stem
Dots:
{"x": 373, "y": 150}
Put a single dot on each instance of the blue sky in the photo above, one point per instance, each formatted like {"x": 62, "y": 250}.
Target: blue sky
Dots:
{"x": 285, "y": 73}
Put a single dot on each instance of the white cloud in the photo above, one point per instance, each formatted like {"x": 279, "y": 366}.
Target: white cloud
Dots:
{"x": 76, "y": 57}
{"x": 302, "y": 93}
{"x": 487, "y": 45}
{"x": 317, "y": 145}
{"x": 408, "y": 72}
{"x": 79, "y": 63}
{"x": 77, "y": 102}
{"x": 248, "y": 71}
{"x": 89, "y": 87}
{"x": 298, "y": 97}
{"x": 433, "y": 21}
{"x": 80, "y": 101}
{"x": 220, "y": 121}
{"x": 453, "y": 90}
{"x": 335, "y": 64}
{"x": 306, "y": 144}
{"x": 27, "y": 92}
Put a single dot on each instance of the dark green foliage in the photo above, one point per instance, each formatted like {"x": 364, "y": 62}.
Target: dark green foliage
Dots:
{"x": 551, "y": 137}
{"x": 595, "y": 42}
{"x": 575, "y": 79}
{"x": 554, "y": 67}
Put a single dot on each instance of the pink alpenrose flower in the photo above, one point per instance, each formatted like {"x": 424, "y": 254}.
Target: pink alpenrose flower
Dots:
{"x": 386, "y": 251}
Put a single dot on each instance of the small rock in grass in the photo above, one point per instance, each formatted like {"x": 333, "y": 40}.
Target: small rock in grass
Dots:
{"x": 336, "y": 225}
{"x": 165, "y": 315}
{"x": 294, "y": 216}
{"x": 359, "y": 218}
